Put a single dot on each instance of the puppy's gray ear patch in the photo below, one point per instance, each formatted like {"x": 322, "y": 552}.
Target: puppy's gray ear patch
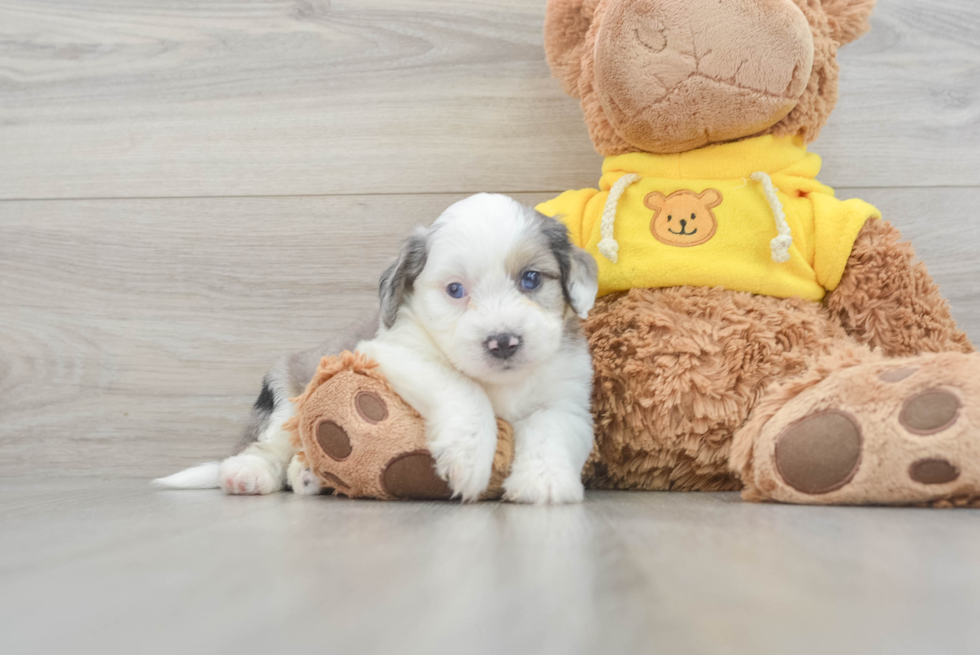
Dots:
{"x": 583, "y": 281}
{"x": 398, "y": 279}
{"x": 579, "y": 271}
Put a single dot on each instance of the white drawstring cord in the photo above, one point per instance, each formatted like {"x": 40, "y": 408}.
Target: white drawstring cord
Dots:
{"x": 608, "y": 246}
{"x": 780, "y": 245}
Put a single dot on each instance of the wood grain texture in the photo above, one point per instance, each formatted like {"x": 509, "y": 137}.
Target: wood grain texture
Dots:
{"x": 89, "y": 567}
{"x": 134, "y": 333}
{"x": 133, "y": 98}
{"x": 909, "y": 109}
{"x": 233, "y": 97}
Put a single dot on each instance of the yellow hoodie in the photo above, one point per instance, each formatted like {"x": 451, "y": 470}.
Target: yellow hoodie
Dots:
{"x": 748, "y": 216}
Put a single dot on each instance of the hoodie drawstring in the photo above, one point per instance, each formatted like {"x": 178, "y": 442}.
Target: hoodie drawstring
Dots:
{"x": 609, "y": 248}
{"x": 779, "y": 245}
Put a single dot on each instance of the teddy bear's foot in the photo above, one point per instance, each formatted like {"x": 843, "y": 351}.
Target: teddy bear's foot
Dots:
{"x": 356, "y": 437}
{"x": 889, "y": 432}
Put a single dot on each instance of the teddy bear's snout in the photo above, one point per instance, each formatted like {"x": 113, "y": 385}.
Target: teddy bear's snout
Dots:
{"x": 663, "y": 69}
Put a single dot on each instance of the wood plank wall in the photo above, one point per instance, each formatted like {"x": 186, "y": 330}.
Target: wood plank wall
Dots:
{"x": 189, "y": 188}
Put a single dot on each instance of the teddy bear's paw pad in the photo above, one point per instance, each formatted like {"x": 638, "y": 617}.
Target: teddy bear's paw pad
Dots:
{"x": 897, "y": 375}
{"x": 334, "y": 440}
{"x": 331, "y": 481}
{"x": 371, "y": 407}
{"x": 933, "y": 470}
{"x": 413, "y": 475}
{"x": 819, "y": 453}
{"x": 929, "y": 412}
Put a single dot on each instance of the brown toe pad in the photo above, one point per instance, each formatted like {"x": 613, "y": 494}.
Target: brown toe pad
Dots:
{"x": 413, "y": 475}
{"x": 933, "y": 471}
{"x": 929, "y": 412}
{"x": 333, "y": 439}
{"x": 820, "y": 452}
{"x": 896, "y": 375}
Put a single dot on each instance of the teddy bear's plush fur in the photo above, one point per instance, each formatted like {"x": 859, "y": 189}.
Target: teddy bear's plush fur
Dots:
{"x": 684, "y": 373}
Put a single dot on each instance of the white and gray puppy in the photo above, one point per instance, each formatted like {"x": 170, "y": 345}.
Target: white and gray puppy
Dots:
{"x": 479, "y": 318}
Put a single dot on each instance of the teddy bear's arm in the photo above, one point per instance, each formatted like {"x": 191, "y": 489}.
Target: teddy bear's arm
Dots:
{"x": 889, "y": 301}
{"x": 460, "y": 426}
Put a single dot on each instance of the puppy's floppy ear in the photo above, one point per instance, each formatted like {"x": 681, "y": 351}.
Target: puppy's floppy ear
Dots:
{"x": 579, "y": 271}
{"x": 400, "y": 276}
{"x": 582, "y": 282}
{"x": 848, "y": 18}
{"x": 565, "y": 25}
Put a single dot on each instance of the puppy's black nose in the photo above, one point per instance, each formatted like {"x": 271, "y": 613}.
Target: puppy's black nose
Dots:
{"x": 503, "y": 345}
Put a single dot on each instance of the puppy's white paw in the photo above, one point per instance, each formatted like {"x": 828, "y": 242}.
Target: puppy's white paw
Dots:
{"x": 306, "y": 483}
{"x": 464, "y": 457}
{"x": 249, "y": 475}
{"x": 544, "y": 486}
{"x": 302, "y": 480}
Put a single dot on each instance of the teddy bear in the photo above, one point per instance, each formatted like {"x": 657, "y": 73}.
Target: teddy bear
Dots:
{"x": 753, "y": 332}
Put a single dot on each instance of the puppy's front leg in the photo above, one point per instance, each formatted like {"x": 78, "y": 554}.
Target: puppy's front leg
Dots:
{"x": 550, "y": 449}
{"x": 461, "y": 434}
{"x": 461, "y": 429}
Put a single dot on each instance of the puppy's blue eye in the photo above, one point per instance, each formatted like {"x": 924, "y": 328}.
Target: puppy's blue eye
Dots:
{"x": 456, "y": 290}
{"x": 531, "y": 280}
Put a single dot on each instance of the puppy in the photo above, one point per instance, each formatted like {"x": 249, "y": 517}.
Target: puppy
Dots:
{"x": 479, "y": 318}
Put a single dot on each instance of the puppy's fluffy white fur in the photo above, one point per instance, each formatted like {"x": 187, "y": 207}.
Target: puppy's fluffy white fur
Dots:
{"x": 489, "y": 278}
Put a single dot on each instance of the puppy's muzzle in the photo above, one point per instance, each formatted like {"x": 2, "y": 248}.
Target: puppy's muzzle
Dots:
{"x": 503, "y": 345}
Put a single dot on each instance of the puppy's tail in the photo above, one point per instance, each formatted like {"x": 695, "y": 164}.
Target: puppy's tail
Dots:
{"x": 202, "y": 476}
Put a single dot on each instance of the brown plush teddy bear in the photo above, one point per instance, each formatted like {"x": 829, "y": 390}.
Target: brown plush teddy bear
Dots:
{"x": 753, "y": 331}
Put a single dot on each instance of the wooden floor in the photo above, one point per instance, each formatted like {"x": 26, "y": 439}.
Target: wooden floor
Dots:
{"x": 190, "y": 188}
{"x": 115, "y": 567}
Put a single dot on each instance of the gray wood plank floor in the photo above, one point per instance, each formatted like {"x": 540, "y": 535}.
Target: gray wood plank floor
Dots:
{"x": 112, "y": 567}
{"x": 188, "y": 189}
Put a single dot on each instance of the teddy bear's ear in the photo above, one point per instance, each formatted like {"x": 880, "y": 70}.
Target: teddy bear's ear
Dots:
{"x": 655, "y": 201}
{"x": 711, "y": 198}
{"x": 565, "y": 25}
{"x": 848, "y": 18}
